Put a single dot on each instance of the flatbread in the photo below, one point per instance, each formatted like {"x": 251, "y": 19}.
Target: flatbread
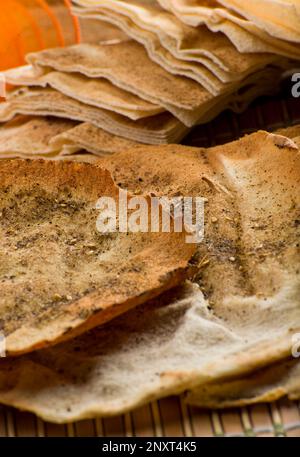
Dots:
{"x": 59, "y": 275}
{"x": 128, "y": 66}
{"x": 241, "y": 317}
{"x": 182, "y": 41}
{"x": 278, "y": 18}
{"x": 93, "y": 32}
{"x": 93, "y": 139}
{"x": 162, "y": 128}
{"x": 96, "y": 92}
{"x": 207, "y": 73}
{"x": 54, "y": 138}
{"x": 93, "y": 91}
{"x": 31, "y": 137}
{"x": 243, "y": 33}
{"x": 266, "y": 385}
{"x": 185, "y": 99}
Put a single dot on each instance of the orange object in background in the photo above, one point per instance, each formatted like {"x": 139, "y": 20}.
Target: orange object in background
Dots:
{"x": 31, "y": 25}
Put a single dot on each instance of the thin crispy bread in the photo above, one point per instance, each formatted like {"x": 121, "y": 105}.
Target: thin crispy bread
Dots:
{"x": 31, "y": 137}
{"x": 92, "y": 139}
{"x": 243, "y": 33}
{"x": 126, "y": 65}
{"x": 182, "y": 41}
{"x": 241, "y": 317}
{"x": 57, "y": 139}
{"x": 185, "y": 99}
{"x": 214, "y": 78}
{"x": 278, "y": 18}
{"x": 226, "y": 199}
{"x": 207, "y": 73}
{"x": 96, "y": 92}
{"x": 162, "y": 128}
{"x": 266, "y": 385}
{"x": 102, "y": 94}
{"x": 59, "y": 275}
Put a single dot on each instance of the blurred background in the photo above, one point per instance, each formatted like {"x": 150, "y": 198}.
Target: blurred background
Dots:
{"x": 32, "y": 25}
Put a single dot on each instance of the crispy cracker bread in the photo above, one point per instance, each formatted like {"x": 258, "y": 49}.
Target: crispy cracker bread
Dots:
{"x": 180, "y": 40}
{"x": 96, "y": 92}
{"x": 57, "y": 139}
{"x": 241, "y": 315}
{"x": 31, "y": 137}
{"x": 39, "y": 101}
{"x": 207, "y": 73}
{"x": 59, "y": 275}
{"x": 92, "y": 139}
{"x": 243, "y": 33}
{"x": 201, "y": 106}
{"x": 128, "y": 66}
{"x": 277, "y": 18}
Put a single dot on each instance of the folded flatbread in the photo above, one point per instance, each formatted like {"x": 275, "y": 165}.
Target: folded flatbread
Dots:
{"x": 213, "y": 76}
{"x": 128, "y": 66}
{"x": 207, "y": 73}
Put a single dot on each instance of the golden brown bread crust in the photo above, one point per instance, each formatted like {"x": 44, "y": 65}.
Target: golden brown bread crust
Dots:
{"x": 59, "y": 276}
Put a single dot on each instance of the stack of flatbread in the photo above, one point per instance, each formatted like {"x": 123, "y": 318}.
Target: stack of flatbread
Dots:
{"x": 99, "y": 323}
{"x": 165, "y": 67}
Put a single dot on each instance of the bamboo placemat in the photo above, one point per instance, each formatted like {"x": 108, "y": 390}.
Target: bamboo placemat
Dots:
{"x": 170, "y": 416}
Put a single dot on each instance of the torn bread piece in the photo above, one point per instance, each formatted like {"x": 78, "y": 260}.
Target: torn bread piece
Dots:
{"x": 241, "y": 316}
{"x": 60, "y": 276}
